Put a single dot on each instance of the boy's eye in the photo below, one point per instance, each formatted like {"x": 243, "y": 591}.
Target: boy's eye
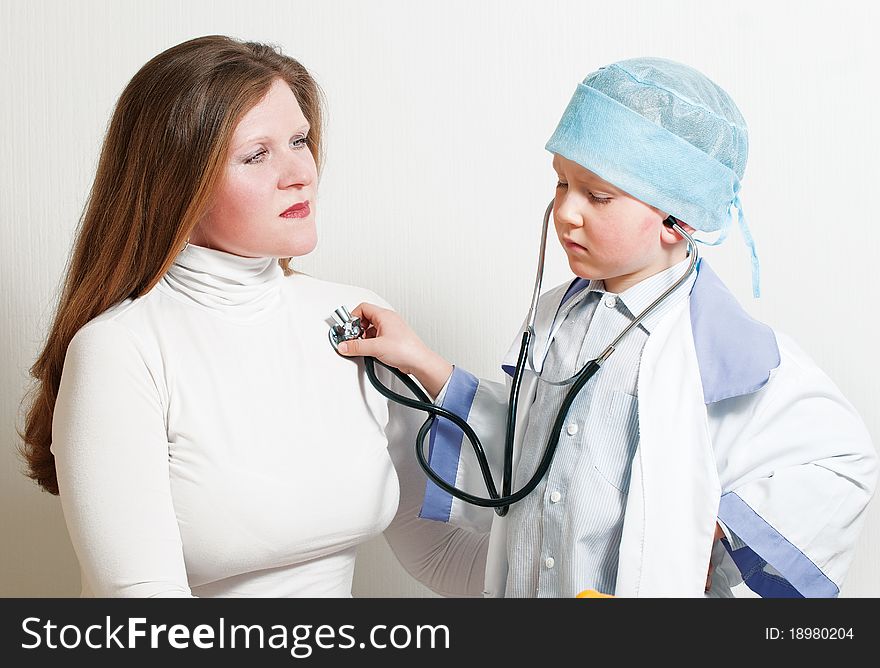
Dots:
{"x": 561, "y": 185}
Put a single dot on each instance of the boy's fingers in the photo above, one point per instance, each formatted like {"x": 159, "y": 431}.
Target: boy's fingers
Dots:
{"x": 357, "y": 348}
{"x": 366, "y": 310}
{"x": 367, "y": 314}
{"x": 348, "y": 348}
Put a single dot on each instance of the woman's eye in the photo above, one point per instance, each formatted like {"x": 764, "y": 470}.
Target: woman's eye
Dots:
{"x": 560, "y": 184}
{"x": 299, "y": 142}
{"x": 256, "y": 157}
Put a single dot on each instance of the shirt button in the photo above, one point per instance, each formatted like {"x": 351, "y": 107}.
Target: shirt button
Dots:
{"x": 555, "y": 496}
{"x": 572, "y": 429}
{"x": 549, "y": 562}
{"x": 610, "y": 301}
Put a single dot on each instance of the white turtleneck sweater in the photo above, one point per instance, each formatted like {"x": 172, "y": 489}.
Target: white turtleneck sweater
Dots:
{"x": 209, "y": 441}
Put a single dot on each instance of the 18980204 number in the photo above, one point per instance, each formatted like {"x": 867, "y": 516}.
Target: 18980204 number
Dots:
{"x": 809, "y": 633}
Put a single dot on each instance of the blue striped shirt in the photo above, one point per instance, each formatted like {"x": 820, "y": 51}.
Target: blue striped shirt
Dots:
{"x": 565, "y": 536}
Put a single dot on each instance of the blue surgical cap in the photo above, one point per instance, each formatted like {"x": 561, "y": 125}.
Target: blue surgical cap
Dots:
{"x": 665, "y": 134}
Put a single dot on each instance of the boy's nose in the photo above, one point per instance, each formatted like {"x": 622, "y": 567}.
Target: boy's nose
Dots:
{"x": 567, "y": 213}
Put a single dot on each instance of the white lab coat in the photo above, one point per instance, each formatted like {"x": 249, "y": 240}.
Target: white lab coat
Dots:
{"x": 736, "y": 423}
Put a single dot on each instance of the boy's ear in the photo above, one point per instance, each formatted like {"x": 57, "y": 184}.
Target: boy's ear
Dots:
{"x": 669, "y": 235}
{"x": 687, "y": 228}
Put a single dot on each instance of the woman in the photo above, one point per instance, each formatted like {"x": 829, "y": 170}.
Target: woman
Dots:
{"x": 203, "y": 435}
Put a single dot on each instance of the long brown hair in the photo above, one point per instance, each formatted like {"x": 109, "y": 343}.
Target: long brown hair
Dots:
{"x": 162, "y": 159}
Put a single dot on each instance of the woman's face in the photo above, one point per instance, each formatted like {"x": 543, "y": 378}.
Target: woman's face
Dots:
{"x": 265, "y": 204}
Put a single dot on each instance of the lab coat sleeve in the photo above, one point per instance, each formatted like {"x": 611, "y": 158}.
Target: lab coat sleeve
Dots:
{"x": 483, "y": 404}
{"x": 795, "y": 482}
{"x": 111, "y": 456}
{"x": 449, "y": 560}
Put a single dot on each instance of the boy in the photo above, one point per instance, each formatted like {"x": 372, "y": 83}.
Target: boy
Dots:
{"x": 704, "y": 424}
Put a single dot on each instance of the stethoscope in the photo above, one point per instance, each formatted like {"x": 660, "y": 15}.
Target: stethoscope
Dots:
{"x": 348, "y": 327}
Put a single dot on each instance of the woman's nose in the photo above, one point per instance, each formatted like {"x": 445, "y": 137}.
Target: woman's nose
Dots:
{"x": 299, "y": 169}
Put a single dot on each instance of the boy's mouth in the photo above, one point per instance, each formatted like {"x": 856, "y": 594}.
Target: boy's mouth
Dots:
{"x": 572, "y": 246}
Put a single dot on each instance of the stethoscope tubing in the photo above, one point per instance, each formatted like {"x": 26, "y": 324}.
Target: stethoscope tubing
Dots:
{"x": 502, "y": 502}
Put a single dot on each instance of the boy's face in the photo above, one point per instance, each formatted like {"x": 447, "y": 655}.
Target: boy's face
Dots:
{"x": 606, "y": 233}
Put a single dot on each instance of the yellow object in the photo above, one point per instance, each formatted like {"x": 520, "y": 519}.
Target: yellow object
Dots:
{"x": 592, "y": 593}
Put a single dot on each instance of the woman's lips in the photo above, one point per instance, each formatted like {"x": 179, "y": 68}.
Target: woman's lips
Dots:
{"x": 300, "y": 210}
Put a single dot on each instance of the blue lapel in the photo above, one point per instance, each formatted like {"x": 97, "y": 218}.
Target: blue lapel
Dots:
{"x": 735, "y": 352}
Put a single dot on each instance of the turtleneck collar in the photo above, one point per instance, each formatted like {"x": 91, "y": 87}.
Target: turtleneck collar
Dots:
{"x": 238, "y": 287}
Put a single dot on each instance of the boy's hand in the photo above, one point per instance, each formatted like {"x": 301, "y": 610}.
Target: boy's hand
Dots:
{"x": 719, "y": 534}
{"x": 391, "y": 341}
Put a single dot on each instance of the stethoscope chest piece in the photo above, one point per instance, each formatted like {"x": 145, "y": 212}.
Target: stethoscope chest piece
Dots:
{"x": 346, "y": 327}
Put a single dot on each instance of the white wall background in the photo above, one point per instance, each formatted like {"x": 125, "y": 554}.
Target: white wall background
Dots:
{"x": 436, "y": 178}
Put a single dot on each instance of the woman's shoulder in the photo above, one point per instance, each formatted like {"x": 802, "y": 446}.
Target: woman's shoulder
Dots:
{"x": 105, "y": 339}
{"x": 322, "y": 293}
{"x": 116, "y": 332}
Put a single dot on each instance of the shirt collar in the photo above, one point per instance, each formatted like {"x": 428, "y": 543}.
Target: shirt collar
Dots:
{"x": 239, "y": 287}
{"x": 638, "y": 297}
